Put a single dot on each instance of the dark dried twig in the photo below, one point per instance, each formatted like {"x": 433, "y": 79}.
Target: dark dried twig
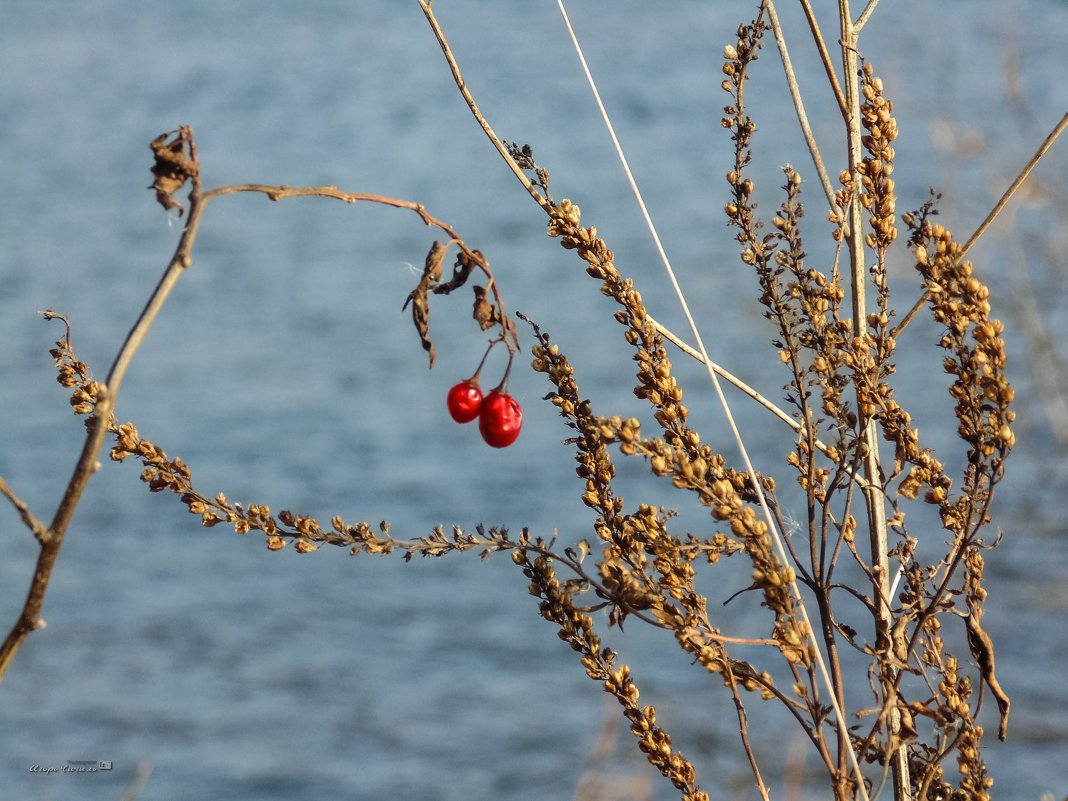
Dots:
{"x": 181, "y": 167}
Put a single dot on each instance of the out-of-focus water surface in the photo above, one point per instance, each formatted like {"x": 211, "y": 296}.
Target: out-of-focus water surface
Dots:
{"x": 283, "y": 372}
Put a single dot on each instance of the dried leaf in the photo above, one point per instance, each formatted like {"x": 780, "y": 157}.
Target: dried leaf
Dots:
{"x": 460, "y": 272}
{"x": 418, "y": 296}
{"x": 982, "y": 648}
{"x": 485, "y": 313}
{"x": 174, "y": 164}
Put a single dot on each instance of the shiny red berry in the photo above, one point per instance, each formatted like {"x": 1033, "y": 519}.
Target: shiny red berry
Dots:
{"x": 465, "y": 401}
{"x": 500, "y": 419}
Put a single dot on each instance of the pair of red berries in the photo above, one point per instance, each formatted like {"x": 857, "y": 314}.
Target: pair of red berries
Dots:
{"x": 499, "y": 415}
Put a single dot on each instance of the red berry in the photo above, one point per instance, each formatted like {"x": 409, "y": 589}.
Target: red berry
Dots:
{"x": 500, "y": 419}
{"x": 464, "y": 401}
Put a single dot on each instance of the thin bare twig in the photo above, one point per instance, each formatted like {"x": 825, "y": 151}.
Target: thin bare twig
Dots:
{"x": 799, "y": 106}
{"x": 461, "y": 84}
{"x": 737, "y": 383}
{"x": 825, "y": 57}
{"x": 743, "y": 730}
{"x": 281, "y": 192}
{"x": 865, "y": 15}
{"x": 1058, "y": 129}
{"x": 732, "y": 379}
{"x": 40, "y": 531}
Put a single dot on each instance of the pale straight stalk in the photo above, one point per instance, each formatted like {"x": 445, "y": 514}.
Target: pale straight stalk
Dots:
{"x": 874, "y": 496}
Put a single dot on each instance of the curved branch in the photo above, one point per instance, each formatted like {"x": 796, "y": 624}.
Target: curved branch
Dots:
{"x": 283, "y": 191}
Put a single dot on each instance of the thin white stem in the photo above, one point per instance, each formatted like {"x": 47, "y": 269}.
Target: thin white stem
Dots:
{"x": 780, "y": 549}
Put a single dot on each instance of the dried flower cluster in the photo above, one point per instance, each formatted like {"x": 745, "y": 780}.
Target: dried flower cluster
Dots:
{"x": 577, "y": 630}
{"x": 818, "y": 343}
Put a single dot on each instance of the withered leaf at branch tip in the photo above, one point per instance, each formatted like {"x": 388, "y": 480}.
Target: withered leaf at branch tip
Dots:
{"x": 431, "y": 277}
{"x": 486, "y": 314}
{"x": 174, "y": 164}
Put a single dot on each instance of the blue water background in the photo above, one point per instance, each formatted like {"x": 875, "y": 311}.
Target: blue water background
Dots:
{"x": 283, "y": 371}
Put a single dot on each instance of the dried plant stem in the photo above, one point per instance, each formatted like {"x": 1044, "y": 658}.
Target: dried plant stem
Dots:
{"x": 51, "y": 540}
{"x": 874, "y": 496}
{"x": 799, "y": 106}
{"x": 39, "y": 529}
{"x": 461, "y": 84}
{"x": 281, "y": 192}
{"x": 743, "y": 728}
{"x": 865, "y": 15}
{"x": 1058, "y": 129}
{"x": 732, "y": 379}
{"x": 179, "y": 262}
{"x": 825, "y": 57}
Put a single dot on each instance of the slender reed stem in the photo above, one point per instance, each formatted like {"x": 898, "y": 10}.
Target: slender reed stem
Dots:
{"x": 865, "y": 15}
{"x": 743, "y": 729}
{"x": 825, "y": 57}
{"x": 1058, "y": 129}
{"x": 461, "y": 84}
{"x": 799, "y": 106}
{"x": 736, "y": 382}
